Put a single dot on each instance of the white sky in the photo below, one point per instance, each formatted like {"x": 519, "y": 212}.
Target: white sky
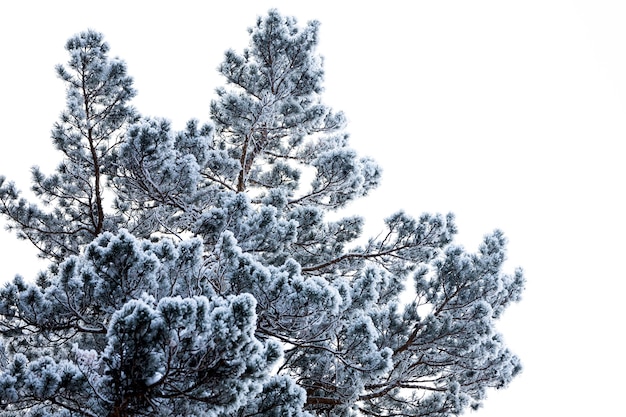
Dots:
{"x": 508, "y": 114}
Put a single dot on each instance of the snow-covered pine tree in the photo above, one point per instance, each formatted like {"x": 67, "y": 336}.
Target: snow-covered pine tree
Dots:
{"x": 214, "y": 285}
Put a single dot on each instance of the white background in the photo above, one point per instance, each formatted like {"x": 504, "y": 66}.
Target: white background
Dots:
{"x": 511, "y": 114}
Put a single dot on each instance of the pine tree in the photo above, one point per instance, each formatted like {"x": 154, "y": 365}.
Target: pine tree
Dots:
{"x": 212, "y": 284}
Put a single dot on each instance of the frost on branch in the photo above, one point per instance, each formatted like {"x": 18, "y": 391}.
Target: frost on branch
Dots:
{"x": 72, "y": 207}
{"x": 125, "y": 351}
{"x": 270, "y": 118}
{"x": 196, "y": 273}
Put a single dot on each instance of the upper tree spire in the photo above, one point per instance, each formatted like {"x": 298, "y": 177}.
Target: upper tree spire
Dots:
{"x": 270, "y": 116}
{"x": 92, "y": 125}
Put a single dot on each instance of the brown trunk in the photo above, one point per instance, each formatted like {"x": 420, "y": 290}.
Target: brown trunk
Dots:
{"x": 99, "y": 220}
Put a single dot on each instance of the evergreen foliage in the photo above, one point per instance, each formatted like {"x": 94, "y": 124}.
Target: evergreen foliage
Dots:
{"x": 212, "y": 284}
